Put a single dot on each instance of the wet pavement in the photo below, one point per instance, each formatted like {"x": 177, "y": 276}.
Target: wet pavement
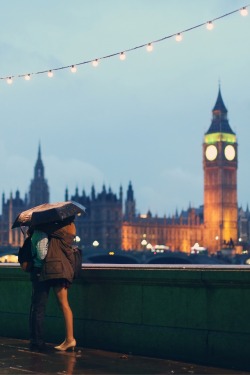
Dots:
{"x": 16, "y": 359}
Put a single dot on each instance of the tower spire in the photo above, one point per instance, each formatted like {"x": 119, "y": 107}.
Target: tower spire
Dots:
{"x": 130, "y": 204}
{"x": 39, "y": 151}
{"x": 219, "y": 122}
{"x": 39, "y": 190}
{"x": 39, "y": 168}
{"x": 219, "y": 105}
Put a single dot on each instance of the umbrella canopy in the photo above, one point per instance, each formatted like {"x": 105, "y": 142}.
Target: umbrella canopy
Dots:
{"x": 48, "y": 213}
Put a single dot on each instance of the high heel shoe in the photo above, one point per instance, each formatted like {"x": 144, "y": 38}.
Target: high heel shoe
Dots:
{"x": 66, "y": 345}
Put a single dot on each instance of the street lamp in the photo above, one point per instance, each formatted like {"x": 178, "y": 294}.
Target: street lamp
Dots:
{"x": 143, "y": 243}
{"x": 149, "y": 246}
{"x": 77, "y": 239}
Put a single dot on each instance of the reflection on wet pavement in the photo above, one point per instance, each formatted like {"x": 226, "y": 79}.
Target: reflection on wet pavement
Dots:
{"x": 16, "y": 359}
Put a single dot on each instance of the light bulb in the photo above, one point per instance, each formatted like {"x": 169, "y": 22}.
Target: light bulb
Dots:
{"x": 50, "y": 74}
{"x": 73, "y": 69}
{"x": 9, "y": 81}
{"x": 178, "y": 37}
{"x": 210, "y": 25}
{"x": 27, "y": 77}
{"x": 122, "y": 56}
{"x": 149, "y": 47}
{"x": 244, "y": 11}
{"x": 95, "y": 62}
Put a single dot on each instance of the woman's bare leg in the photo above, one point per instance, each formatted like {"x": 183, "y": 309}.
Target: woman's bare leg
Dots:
{"x": 62, "y": 298}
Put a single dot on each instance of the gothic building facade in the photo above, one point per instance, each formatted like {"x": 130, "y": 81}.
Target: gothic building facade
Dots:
{"x": 112, "y": 222}
{"x": 102, "y": 223}
{"x": 11, "y": 207}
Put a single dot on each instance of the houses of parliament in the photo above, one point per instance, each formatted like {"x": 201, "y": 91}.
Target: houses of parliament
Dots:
{"x": 112, "y": 221}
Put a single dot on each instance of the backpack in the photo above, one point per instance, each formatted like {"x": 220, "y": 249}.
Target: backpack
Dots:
{"x": 77, "y": 261}
{"x": 25, "y": 257}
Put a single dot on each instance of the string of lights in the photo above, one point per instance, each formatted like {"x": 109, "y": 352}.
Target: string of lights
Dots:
{"x": 122, "y": 54}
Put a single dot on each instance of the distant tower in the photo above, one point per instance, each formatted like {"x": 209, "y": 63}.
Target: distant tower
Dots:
{"x": 220, "y": 180}
{"x": 39, "y": 189}
{"x": 129, "y": 204}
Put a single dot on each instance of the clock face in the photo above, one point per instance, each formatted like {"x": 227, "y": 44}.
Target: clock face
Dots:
{"x": 229, "y": 152}
{"x": 211, "y": 152}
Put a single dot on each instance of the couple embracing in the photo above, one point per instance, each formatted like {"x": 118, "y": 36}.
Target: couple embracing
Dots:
{"x": 52, "y": 267}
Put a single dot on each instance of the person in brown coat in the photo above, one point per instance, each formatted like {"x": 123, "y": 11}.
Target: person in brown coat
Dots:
{"x": 57, "y": 271}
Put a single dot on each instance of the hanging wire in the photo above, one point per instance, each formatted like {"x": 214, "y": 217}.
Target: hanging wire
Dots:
{"x": 10, "y": 77}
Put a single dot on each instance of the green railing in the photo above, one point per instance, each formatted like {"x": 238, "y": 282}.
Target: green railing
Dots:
{"x": 195, "y": 313}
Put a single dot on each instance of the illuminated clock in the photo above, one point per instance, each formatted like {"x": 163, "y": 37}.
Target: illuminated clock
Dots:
{"x": 229, "y": 152}
{"x": 211, "y": 152}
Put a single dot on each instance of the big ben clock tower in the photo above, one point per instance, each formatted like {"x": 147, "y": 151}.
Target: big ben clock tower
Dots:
{"x": 220, "y": 181}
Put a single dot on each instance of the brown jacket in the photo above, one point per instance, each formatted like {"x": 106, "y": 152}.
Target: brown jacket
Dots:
{"x": 59, "y": 260}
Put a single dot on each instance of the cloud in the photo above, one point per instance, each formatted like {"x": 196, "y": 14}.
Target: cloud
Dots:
{"x": 179, "y": 188}
{"x": 16, "y": 173}
{"x": 70, "y": 173}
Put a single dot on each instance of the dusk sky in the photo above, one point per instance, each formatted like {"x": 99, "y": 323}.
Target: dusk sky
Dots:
{"x": 142, "y": 119}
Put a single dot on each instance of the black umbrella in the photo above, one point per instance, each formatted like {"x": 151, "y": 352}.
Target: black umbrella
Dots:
{"x": 48, "y": 213}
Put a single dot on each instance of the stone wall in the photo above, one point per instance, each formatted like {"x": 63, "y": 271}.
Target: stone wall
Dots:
{"x": 189, "y": 313}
